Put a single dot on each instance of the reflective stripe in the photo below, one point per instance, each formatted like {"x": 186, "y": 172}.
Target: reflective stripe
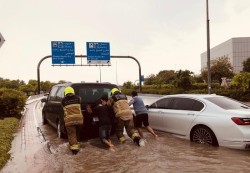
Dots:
{"x": 122, "y": 139}
{"x": 75, "y": 147}
{"x": 72, "y": 105}
{"x": 134, "y": 135}
{"x": 122, "y": 111}
{"x": 69, "y": 121}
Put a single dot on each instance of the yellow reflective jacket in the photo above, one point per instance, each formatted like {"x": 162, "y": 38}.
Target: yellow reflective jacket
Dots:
{"x": 120, "y": 106}
{"x": 72, "y": 110}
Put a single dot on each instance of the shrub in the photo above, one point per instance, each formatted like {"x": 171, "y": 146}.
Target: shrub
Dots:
{"x": 12, "y": 102}
{"x": 7, "y": 128}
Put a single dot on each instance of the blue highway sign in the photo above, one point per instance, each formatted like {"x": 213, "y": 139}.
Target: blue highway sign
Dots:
{"x": 98, "y": 53}
{"x": 63, "y": 52}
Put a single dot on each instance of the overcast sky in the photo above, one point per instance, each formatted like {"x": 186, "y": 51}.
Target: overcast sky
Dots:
{"x": 160, "y": 34}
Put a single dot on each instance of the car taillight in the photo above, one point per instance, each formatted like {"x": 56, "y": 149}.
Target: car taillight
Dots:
{"x": 241, "y": 121}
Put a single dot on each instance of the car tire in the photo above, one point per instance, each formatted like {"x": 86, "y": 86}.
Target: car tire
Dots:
{"x": 203, "y": 135}
{"x": 60, "y": 133}
{"x": 44, "y": 119}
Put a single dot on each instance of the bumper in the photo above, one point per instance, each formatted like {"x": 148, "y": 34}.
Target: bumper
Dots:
{"x": 242, "y": 145}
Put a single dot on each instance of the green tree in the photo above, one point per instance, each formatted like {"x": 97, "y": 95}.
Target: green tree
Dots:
{"x": 150, "y": 80}
{"x": 166, "y": 76}
{"x": 46, "y": 86}
{"x": 11, "y": 84}
{"x": 246, "y": 65}
{"x": 127, "y": 85}
{"x": 183, "y": 79}
{"x": 220, "y": 67}
{"x": 33, "y": 84}
{"x": 28, "y": 89}
{"x": 198, "y": 78}
{"x": 242, "y": 80}
{"x": 62, "y": 81}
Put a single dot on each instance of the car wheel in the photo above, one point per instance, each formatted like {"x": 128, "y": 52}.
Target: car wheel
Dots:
{"x": 45, "y": 121}
{"x": 203, "y": 135}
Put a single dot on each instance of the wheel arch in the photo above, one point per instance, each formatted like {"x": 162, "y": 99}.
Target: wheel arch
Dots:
{"x": 202, "y": 125}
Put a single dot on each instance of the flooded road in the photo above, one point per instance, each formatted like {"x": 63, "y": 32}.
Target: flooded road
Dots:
{"x": 167, "y": 154}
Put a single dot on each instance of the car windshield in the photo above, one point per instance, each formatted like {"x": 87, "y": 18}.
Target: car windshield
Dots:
{"x": 227, "y": 103}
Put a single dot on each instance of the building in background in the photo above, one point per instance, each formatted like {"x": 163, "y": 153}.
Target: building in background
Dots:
{"x": 236, "y": 49}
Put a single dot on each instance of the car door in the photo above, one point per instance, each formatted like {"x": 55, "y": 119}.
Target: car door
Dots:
{"x": 156, "y": 113}
{"x": 180, "y": 116}
{"x": 58, "y": 109}
{"x": 49, "y": 106}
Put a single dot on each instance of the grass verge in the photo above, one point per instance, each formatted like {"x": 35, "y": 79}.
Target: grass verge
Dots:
{"x": 8, "y": 126}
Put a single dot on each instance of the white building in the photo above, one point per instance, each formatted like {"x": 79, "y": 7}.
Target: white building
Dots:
{"x": 236, "y": 49}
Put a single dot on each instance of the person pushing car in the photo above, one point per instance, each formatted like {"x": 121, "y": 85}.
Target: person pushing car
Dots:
{"x": 124, "y": 117}
{"x": 73, "y": 117}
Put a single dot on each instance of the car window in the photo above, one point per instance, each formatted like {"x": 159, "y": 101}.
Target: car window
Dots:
{"x": 197, "y": 106}
{"x": 60, "y": 93}
{"x": 187, "y": 104}
{"x": 227, "y": 103}
{"x": 164, "y": 103}
{"x": 52, "y": 94}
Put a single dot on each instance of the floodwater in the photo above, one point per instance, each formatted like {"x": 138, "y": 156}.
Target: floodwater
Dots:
{"x": 167, "y": 154}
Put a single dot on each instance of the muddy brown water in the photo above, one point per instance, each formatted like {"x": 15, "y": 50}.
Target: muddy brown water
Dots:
{"x": 167, "y": 154}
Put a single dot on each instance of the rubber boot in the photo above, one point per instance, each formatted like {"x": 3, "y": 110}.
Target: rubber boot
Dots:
{"x": 74, "y": 152}
{"x": 137, "y": 140}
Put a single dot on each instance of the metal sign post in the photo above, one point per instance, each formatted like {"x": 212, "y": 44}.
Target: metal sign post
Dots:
{"x": 84, "y": 56}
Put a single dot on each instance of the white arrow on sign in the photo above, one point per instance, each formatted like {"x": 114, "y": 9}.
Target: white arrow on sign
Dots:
{"x": 1, "y": 40}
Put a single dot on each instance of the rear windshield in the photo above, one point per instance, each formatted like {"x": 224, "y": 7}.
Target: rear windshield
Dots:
{"x": 227, "y": 103}
{"x": 90, "y": 94}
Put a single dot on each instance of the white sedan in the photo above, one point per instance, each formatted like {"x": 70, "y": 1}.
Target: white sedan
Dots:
{"x": 203, "y": 118}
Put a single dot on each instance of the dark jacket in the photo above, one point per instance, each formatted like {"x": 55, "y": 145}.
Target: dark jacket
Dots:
{"x": 104, "y": 114}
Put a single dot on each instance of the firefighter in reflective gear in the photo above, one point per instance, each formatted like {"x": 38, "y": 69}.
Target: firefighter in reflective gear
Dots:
{"x": 124, "y": 117}
{"x": 73, "y": 117}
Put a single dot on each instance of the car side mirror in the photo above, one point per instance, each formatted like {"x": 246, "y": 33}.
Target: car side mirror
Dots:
{"x": 147, "y": 106}
{"x": 43, "y": 100}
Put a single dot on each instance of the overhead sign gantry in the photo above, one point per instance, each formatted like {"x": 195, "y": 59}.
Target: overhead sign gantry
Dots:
{"x": 98, "y": 54}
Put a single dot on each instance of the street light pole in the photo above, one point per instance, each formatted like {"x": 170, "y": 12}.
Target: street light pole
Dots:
{"x": 208, "y": 52}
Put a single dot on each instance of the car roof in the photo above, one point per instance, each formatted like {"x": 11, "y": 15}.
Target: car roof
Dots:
{"x": 88, "y": 83}
{"x": 197, "y": 96}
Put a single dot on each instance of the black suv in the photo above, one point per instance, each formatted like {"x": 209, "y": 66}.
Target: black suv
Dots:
{"x": 90, "y": 93}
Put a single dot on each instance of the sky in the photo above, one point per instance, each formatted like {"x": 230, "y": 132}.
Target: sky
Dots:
{"x": 160, "y": 34}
